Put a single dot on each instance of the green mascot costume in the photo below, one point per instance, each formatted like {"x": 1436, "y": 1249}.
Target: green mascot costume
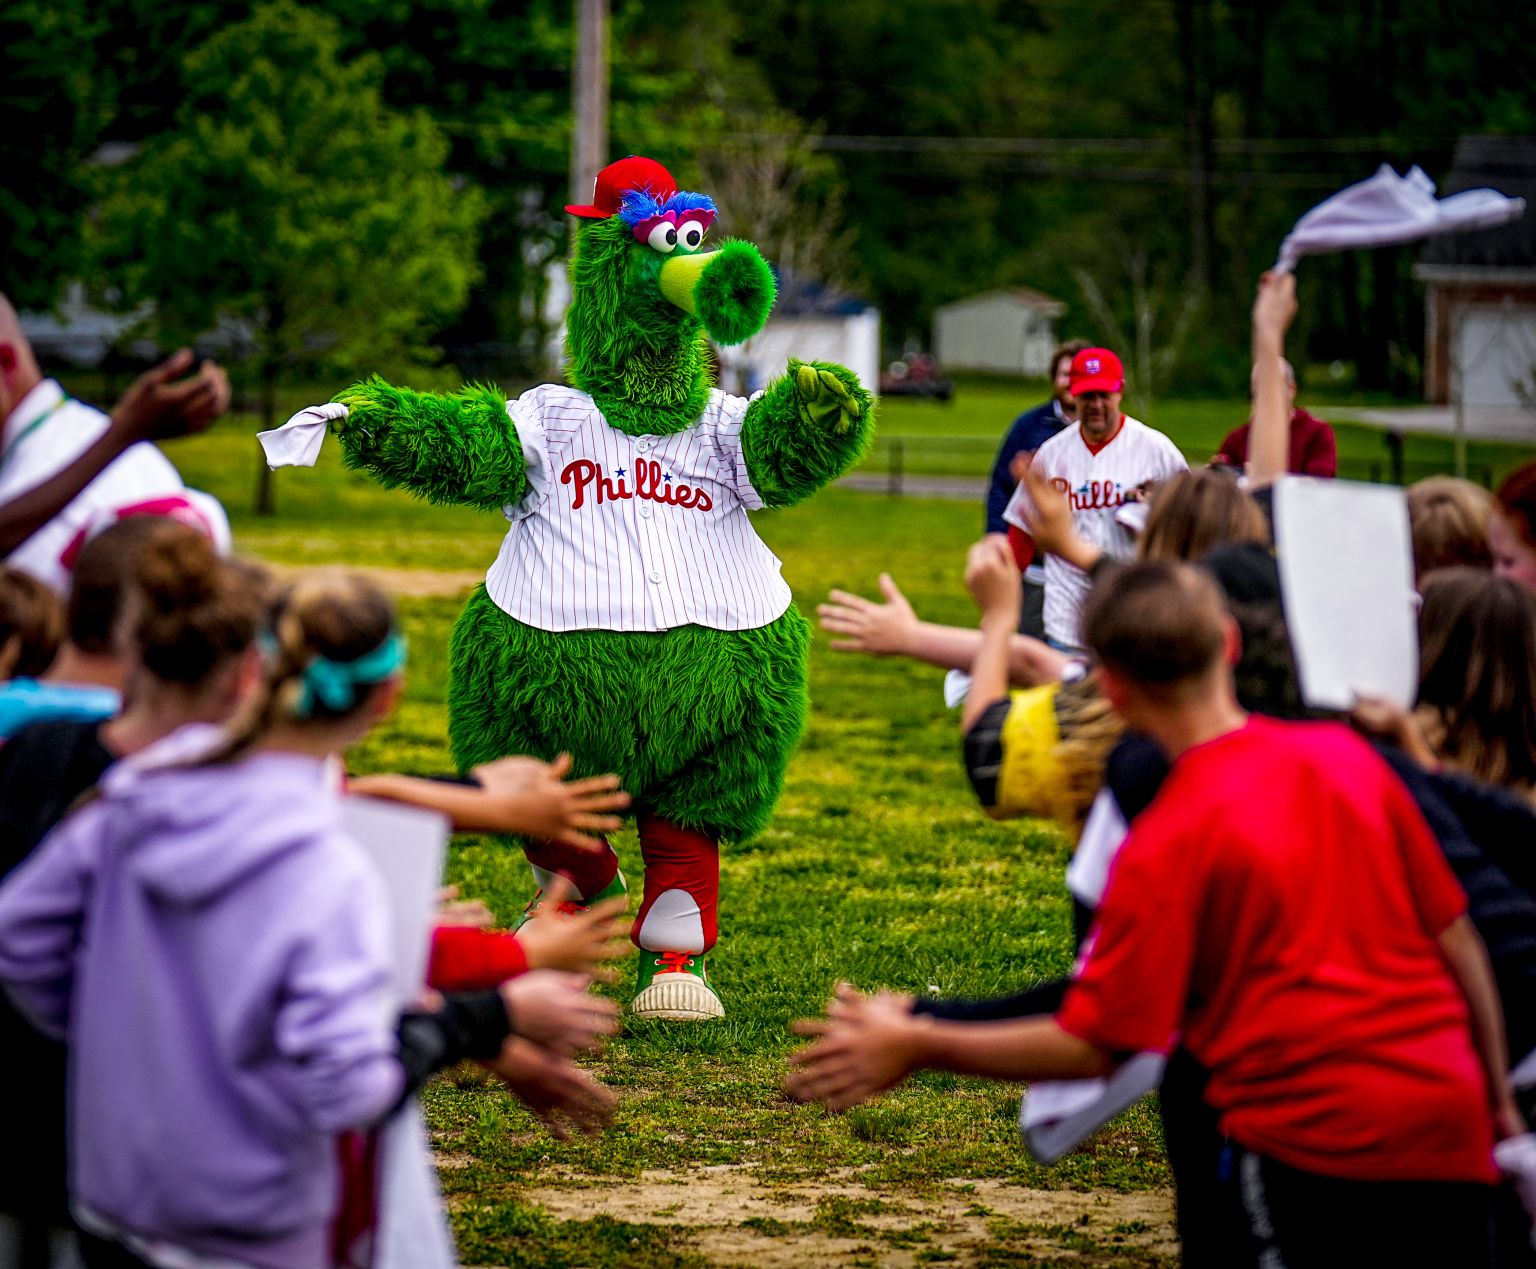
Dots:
{"x": 633, "y": 617}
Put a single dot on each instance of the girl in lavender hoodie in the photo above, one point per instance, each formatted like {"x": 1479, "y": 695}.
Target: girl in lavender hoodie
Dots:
{"x": 214, "y": 947}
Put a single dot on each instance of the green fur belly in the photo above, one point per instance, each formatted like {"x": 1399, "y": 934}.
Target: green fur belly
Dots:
{"x": 699, "y": 723}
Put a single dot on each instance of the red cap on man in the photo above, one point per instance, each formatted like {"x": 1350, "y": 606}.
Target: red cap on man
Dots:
{"x": 623, "y": 177}
{"x": 1096, "y": 370}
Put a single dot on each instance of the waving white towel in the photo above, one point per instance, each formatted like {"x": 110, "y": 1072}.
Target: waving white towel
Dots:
{"x": 297, "y": 442}
{"x": 1387, "y": 209}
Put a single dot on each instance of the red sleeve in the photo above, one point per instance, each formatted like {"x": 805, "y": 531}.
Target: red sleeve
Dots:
{"x": 1023, "y": 546}
{"x": 1437, "y": 895}
{"x": 1129, "y": 995}
{"x": 1322, "y": 452}
{"x": 1234, "y": 448}
{"x": 468, "y": 959}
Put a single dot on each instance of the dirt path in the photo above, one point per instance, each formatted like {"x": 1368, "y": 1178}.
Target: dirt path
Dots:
{"x": 414, "y": 583}
{"x": 733, "y": 1218}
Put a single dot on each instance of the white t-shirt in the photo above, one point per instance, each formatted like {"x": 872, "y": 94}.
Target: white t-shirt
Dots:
{"x": 44, "y": 434}
{"x": 623, "y": 532}
{"x": 1098, "y": 483}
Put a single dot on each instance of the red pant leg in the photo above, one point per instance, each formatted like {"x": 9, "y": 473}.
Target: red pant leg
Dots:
{"x": 682, "y": 888}
{"x": 588, "y": 870}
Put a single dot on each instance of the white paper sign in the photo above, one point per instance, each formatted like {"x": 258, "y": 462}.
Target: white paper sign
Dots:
{"x": 407, "y": 845}
{"x": 1346, "y": 574}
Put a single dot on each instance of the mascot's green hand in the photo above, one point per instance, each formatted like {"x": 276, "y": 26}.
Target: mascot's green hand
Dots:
{"x": 823, "y": 399}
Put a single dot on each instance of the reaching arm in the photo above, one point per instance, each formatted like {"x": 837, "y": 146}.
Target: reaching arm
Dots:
{"x": 1467, "y": 959}
{"x": 460, "y": 447}
{"x": 868, "y": 1044}
{"x": 1269, "y": 436}
{"x": 153, "y": 409}
{"x": 994, "y": 582}
{"x": 806, "y": 430}
{"x": 894, "y": 629}
{"x": 514, "y": 795}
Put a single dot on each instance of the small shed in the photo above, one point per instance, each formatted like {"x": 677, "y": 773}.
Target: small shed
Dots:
{"x": 813, "y": 322}
{"x": 1480, "y": 297}
{"x": 1011, "y": 331}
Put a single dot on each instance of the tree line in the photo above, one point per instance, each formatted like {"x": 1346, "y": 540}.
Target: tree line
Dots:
{"x": 353, "y": 180}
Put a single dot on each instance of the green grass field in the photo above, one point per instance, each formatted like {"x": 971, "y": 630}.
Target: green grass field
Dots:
{"x": 877, "y": 869}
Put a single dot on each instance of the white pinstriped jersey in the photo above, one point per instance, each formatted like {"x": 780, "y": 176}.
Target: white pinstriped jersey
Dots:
{"x": 64, "y": 429}
{"x": 1097, "y": 484}
{"x": 623, "y": 532}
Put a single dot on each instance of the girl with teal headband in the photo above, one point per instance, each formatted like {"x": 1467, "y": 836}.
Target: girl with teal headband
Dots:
{"x": 233, "y": 1008}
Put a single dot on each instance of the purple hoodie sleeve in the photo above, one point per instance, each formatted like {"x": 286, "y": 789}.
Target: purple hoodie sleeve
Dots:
{"x": 336, "y": 1024}
{"x": 42, "y": 909}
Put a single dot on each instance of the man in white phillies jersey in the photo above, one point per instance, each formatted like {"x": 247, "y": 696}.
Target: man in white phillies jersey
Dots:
{"x": 1102, "y": 462}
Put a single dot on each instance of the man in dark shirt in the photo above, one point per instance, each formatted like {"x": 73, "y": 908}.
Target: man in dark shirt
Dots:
{"x": 1030, "y": 431}
{"x": 1313, "y": 449}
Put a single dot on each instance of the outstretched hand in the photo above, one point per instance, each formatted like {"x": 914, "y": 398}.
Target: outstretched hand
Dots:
{"x": 992, "y": 577}
{"x": 554, "y": 1010}
{"x": 537, "y": 800}
{"x": 1274, "y": 308}
{"x": 865, "y": 1045}
{"x": 823, "y": 399}
{"x": 866, "y": 626}
{"x": 157, "y": 407}
{"x": 577, "y": 941}
{"x": 565, "y": 1097}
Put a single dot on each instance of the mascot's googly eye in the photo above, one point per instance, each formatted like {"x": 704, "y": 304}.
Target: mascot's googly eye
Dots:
{"x": 690, "y": 234}
{"x": 663, "y": 237}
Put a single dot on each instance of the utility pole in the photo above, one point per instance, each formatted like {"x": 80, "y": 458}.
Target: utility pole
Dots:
{"x": 589, "y": 97}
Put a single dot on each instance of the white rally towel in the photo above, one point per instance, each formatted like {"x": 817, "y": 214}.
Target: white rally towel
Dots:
{"x": 1387, "y": 209}
{"x": 1058, "y": 1115}
{"x": 297, "y": 442}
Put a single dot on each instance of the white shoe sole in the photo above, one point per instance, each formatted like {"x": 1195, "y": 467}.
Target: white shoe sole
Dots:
{"x": 677, "y": 998}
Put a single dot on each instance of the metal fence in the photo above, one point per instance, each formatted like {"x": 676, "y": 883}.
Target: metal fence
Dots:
{"x": 922, "y": 464}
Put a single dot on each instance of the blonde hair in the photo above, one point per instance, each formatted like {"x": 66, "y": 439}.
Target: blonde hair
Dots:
{"x": 1197, "y": 511}
{"x": 1448, "y": 520}
{"x": 327, "y": 615}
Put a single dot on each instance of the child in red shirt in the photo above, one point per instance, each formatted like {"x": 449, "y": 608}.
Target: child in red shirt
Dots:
{"x": 1283, "y": 906}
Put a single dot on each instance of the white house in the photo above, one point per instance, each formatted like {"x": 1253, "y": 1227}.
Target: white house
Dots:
{"x": 1480, "y": 287}
{"x": 1011, "y": 331}
{"x": 814, "y": 323}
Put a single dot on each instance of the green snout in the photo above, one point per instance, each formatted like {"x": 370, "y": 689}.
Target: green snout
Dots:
{"x": 730, "y": 290}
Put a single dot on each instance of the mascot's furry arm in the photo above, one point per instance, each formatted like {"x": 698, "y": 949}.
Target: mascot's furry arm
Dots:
{"x": 806, "y": 430}
{"x": 458, "y": 447}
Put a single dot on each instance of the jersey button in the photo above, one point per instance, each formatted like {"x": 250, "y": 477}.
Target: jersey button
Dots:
{"x": 645, "y": 513}
{"x": 643, "y": 444}
{"x": 654, "y": 575}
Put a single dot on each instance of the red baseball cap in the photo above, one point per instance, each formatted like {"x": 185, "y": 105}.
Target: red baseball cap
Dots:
{"x": 623, "y": 177}
{"x": 1095, "y": 370}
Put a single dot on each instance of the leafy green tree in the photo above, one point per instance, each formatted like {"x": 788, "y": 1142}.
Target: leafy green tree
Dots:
{"x": 51, "y": 116}
{"x": 290, "y": 210}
